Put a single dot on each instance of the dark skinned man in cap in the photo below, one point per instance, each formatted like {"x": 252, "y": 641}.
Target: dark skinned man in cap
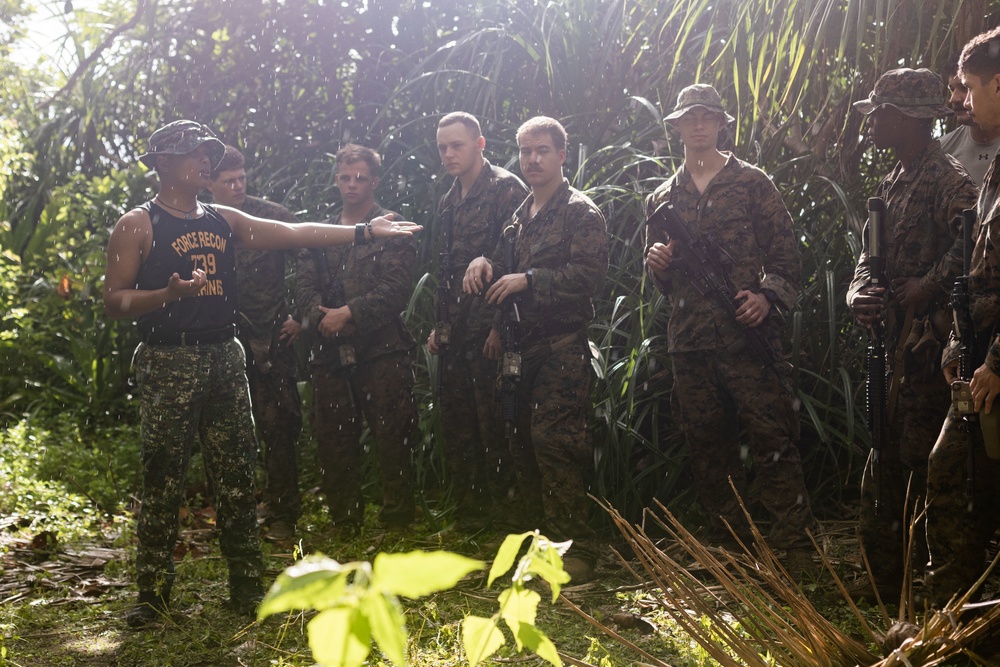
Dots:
{"x": 172, "y": 267}
{"x": 924, "y": 197}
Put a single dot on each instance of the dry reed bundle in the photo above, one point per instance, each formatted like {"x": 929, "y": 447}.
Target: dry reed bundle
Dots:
{"x": 754, "y": 615}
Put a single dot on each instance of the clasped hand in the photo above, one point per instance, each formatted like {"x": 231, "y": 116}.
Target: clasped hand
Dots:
{"x": 754, "y": 309}
{"x": 985, "y": 385}
{"x": 867, "y": 304}
{"x": 335, "y": 321}
{"x": 480, "y": 274}
{"x": 659, "y": 257}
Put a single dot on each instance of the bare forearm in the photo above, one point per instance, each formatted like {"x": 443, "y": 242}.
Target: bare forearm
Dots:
{"x": 270, "y": 234}
{"x": 134, "y": 303}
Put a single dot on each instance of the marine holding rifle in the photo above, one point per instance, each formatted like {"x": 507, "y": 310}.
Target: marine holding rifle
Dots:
{"x": 923, "y": 197}
{"x": 557, "y": 265}
{"x": 471, "y": 215}
{"x": 723, "y": 381}
{"x": 963, "y": 510}
{"x": 351, "y": 298}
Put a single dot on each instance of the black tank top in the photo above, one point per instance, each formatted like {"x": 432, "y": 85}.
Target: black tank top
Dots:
{"x": 180, "y": 246}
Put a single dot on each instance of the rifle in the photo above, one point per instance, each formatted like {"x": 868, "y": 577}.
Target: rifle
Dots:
{"x": 969, "y": 356}
{"x": 334, "y": 296}
{"x": 965, "y": 329}
{"x": 442, "y": 328}
{"x": 706, "y": 262}
{"x": 510, "y": 338}
{"x": 878, "y": 370}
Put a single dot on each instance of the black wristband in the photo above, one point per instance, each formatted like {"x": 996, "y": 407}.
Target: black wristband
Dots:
{"x": 770, "y": 295}
{"x": 531, "y": 281}
{"x": 359, "y": 234}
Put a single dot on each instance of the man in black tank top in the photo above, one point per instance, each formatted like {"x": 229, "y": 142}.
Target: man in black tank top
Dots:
{"x": 171, "y": 266}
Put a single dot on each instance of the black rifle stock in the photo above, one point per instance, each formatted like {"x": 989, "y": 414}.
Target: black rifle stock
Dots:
{"x": 510, "y": 338}
{"x": 965, "y": 332}
{"x": 968, "y": 352}
{"x": 703, "y": 264}
{"x": 334, "y": 296}
{"x": 878, "y": 368}
{"x": 442, "y": 327}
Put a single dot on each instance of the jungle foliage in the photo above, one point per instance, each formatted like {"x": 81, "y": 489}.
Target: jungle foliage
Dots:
{"x": 289, "y": 81}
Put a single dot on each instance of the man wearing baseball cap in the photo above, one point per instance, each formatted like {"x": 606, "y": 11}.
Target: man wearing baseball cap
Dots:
{"x": 733, "y": 205}
{"x": 172, "y": 267}
{"x": 924, "y": 197}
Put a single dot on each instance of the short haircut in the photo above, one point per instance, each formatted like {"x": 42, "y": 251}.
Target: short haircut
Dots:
{"x": 550, "y": 126}
{"x": 950, "y": 67}
{"x": 981, "y": 56}
{"x": 354, "y": 153}
{"x": 231, "y": 159}
{"x": 467, "y": 119}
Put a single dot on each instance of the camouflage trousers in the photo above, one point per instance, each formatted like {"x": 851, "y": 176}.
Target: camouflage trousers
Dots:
{"x": 380, "y": 392}
{"x": 960, "y": 524}
{"x": 920, "y": 411}
{"x": 717, "y": 393}
{"x": 551, "y": 447}
{"x": 186, "y": 393}
{"x": 277, "y": 412}
{"x": 475, "y": 452}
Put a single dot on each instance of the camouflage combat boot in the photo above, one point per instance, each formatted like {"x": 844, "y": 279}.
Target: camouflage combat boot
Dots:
{"x": 148, "y": 608}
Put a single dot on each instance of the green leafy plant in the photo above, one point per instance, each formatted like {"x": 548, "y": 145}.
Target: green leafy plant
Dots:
{"x": 359, "y": 602}
{"x": 482, "y": 637}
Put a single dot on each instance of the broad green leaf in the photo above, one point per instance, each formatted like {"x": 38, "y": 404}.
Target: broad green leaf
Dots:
{"x": 506, "y": 555}
{"x": 388, "y": 625}
{"x": 517, "y": 606}
{"x": 316, "y": 582}
{"x": 420, "y": 573}
{"x": 481, "y": 638}
{"x": 537, "y": 641}
{"x": 549, "y": 567}
{"x": 340, "y": 637}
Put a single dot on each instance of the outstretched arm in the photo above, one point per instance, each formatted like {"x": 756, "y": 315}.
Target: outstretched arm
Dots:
{"x": 260, "y": 234}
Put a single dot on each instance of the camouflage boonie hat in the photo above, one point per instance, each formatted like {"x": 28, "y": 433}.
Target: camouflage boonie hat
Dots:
{"x": 180, "y": 138}
{"x": 699, "y": 95}
{"x": 918, "y": 93}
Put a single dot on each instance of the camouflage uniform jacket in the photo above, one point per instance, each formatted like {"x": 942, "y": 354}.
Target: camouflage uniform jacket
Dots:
{"x": 566, "y": 247}
{"x": 261, "y": 280}
{"x": 377, "y": 282}
{"x": 985, "y": 273}
{"x": 478, "y": 218}
{"x": 923, "y": 219}
{"x": 742, "y": 212}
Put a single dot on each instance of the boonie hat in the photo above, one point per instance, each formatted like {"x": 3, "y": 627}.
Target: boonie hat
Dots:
{"x": 180, "y": 138}
{"x": 918, "y": 93}
{"x": 699, "y": 95}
